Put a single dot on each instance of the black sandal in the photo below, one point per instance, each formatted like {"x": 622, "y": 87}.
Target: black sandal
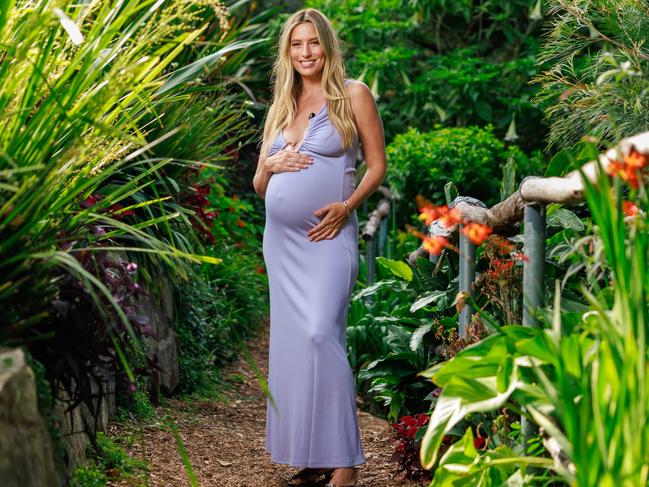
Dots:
{"x": 308, "y": 476}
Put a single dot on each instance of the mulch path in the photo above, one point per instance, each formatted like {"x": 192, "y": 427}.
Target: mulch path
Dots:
{"x": 224, "y": 437}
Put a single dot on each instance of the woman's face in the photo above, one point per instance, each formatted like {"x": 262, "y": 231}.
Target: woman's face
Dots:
{"x": 307, "y": 55}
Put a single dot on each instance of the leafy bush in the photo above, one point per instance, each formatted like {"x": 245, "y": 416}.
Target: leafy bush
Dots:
{"x": 440, "y": 61}
{"x": 217, "y": 307}
{"x": 470, "y": 157}
{"x": 88, "y": 475}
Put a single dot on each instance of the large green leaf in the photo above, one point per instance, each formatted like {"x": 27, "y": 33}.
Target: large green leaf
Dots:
{"x": 397, "y": 267}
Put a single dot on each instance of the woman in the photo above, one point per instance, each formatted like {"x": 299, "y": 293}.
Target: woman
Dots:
{"x": 306, "y": 176}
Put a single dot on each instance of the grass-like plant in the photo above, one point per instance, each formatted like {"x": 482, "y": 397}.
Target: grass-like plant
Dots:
{"x": 82, "y": 86}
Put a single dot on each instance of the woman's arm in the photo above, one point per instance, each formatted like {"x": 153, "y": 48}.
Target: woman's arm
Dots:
{"x": 262, "y": 176}
{"x": 370, "y": 134}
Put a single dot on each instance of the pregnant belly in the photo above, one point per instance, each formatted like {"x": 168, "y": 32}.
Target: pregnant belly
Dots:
{"x": 292, "y": 197}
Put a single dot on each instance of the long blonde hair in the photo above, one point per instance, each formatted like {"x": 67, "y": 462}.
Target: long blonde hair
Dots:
{"x": 288, "y": 83}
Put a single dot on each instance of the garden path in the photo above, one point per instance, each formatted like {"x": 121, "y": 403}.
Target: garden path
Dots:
{"x": 225, "y": 437}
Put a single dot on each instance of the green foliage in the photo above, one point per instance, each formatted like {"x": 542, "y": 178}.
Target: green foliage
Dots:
{"x": 584, "y": 382}
{"x": 391, "y": 332}
{"x": 109, "y": 460}
{"x": 471, "y": 157}
{"x": 88, "y": 475}
{"x": 463, "y": 464}
{"x": 455, "y": 63}
{"x": 595, "y": 78}
{"x": 217, "y": 307}
{"x": 135, "y": 405}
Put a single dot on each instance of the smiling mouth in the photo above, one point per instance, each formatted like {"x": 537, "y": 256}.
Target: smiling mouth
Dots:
{"x": 307, "y": 64}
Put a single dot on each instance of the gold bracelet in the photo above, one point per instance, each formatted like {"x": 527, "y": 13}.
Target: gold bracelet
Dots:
{"x": 347, "y": 207}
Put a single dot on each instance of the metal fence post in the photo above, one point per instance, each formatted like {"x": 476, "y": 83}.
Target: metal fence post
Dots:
{"x": 466, "y": 278}
{"x": 383, "y": 236}
{"x": 369, "y": 260}
{"x": 533, "y": 275}
{"x": 534, "y": 264}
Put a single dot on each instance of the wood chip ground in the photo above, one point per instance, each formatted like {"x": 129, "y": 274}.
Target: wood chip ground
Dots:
{"x": 224, "y": 437}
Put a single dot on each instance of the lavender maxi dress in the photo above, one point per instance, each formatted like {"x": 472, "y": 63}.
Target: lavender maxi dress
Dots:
{"x": 310, "y": 283}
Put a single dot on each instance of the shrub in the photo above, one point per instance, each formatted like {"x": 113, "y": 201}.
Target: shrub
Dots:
{"x": 219, "y": 305}
{"x": 470, "y": 157}
{"x": 438, "y": 61}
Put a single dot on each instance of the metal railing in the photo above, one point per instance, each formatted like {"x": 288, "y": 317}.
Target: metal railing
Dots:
{"x": 528, "y": 204}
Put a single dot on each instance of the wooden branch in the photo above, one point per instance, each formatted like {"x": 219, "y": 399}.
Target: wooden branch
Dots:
{"x": 569, "y": 189}
{"x": 382, "y": 211}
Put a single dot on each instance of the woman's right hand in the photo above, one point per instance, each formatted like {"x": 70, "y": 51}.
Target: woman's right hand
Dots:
{"x": 287, "y": 159}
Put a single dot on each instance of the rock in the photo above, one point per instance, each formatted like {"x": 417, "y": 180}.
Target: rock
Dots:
{"x": 26, "y": 454}
{"x": 77, "y": 424}
{"x": 158, "y": 312}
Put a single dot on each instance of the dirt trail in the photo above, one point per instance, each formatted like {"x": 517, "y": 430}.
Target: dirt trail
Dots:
{"x": 225, "y": 438}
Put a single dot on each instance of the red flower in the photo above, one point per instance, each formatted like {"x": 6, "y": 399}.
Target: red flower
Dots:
{"x": 429, "y": 214}
{"x": 629, "y": 208}
{"x": 90, "y": 201}
{"x": 241, "y": 223}
{"x": 479, "y": 442}
{"x": 116, "y": 209}
{"x": 476, "y": 232}
{"x": 627, "y": 172}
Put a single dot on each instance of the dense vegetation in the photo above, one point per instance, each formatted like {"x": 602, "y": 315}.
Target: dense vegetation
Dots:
{"x": 128, "y": 143}
{"x": 123, "y": 126}
{"x": 466, "y": 427}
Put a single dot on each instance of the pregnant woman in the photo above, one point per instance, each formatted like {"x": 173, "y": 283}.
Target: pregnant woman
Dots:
{"x": 306, "y": 176}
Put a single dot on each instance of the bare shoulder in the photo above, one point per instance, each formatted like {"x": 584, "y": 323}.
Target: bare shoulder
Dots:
{"x": 359, "y": 91}
{"x": 362, "y": 99}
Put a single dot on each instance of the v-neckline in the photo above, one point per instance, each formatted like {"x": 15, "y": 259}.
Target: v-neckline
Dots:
{"x": 308, "y": 127}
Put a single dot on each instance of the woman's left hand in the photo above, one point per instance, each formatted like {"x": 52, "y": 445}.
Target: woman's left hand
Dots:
{"x": 333, "y": 216}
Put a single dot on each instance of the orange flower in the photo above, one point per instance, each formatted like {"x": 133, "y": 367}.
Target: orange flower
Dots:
{"x": 451, "y": 218}
{"x": 635, "y": 160}
{"x": 429, "y": 214}
{"x": 476, "y": 232}
{"x": 628, "y": 169}
{"x": 434, "y": 245}
{"x": 631, "y": 176}
{"x": 629, "y": 208}
{"x": 241, "y": 223}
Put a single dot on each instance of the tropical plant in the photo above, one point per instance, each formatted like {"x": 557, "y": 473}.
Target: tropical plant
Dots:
{"x": 585, "y": 385}
{"x": 391, "y": 334}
